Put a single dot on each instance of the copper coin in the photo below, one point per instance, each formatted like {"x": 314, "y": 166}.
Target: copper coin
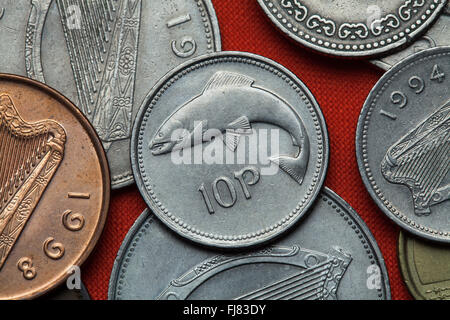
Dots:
{"x": 54, "y": 188}
{"x": 425, "y": 267}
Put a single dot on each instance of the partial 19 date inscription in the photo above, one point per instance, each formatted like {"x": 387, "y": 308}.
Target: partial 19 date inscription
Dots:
{"x": 417, "y": 85}
{"x": 240, "y": 177}
{"x": 187, "y": 46}
{"x": 72, "y": 222}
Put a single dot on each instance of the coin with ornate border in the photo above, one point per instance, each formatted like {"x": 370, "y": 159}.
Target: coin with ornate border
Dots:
{"x": 403, "y": 144}
{"x": 331, "y": 256}
{"x": 425, "y": 267}
{"x": 54, "y": 188}
{"x": 104, "y": 55}
{"x": 230, "y": 149}
{"x": 437, "y": 35}
{"x": 353, "y": 28}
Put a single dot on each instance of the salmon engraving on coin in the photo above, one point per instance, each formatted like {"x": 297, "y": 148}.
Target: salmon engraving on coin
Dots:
{"x": 345, "y": 264}
{"x": 223, "y": 88}
{"x": 403, "y": 144}
{"x": 230, "y": 150}
{"x": 50, "y": 156}
{"x": 436, "y": 36}
{"x": 424, "y": 267}
{"x": 104, "y": 55}
{"x": 353, "y": 28}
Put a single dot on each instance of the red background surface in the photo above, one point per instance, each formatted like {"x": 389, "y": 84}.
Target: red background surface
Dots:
{"x": 340, "y": 86}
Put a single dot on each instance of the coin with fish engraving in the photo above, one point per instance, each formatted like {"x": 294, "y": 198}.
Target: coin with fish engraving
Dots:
{"x": 331, "y": 255}
{"x": 64, "y": 293}
{"x": 230, "y": 149}
{"x": 352, "y": 28}
{"x": 425, "y": 267}
{"x": 104, "y": 55}
{"x": 54, "y": 188}
{"x": 403, "y": 144}
{"x": 437, "y": 35}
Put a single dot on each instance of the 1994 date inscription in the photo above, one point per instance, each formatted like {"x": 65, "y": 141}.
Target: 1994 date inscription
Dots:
{"x": 418, "y": 86}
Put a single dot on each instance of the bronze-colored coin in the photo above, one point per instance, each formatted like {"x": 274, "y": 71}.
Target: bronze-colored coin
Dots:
{"x": 425, "y": 267}
{"x": 54, "y": 188}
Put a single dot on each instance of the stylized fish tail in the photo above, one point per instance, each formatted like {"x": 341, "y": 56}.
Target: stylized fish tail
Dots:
{"x": 295, "y": 167}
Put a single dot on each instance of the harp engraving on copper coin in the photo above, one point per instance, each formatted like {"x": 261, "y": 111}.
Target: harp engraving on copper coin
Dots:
{"x": 319, "y": 279}
{"x": 103, "y": 48}
{"x": 30, "y": 155}
{"x": 421, "y": 161}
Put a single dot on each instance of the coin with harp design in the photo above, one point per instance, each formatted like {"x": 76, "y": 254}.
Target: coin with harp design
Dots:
{"x": 104, "y": 55}
{"x": 54, "y": 188}
{"x": 310, "y": 263}
{"x": 403, "y": 144}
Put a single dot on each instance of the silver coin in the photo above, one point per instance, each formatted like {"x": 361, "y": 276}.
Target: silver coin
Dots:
{"x": 105, "y": 55}
{"x": 353, "y": 28}
{"x": 437, "y": 35}
{"x": 403, "y": 144}
{"x": 230, "y": 149}
{"x": 331, "y": 255}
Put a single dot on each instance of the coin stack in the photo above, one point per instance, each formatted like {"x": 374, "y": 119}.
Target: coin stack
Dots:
{"x": 229, "y": 150}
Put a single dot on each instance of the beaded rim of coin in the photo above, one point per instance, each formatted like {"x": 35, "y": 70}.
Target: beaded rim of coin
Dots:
{"x": 434, "y": 38}
{"x": 348, "y": 48}
{"x": 142, "y": 224}
{"x": 103, "y": 163}
{"x": 377, "y": 195}
{"x": 180, "y": 226}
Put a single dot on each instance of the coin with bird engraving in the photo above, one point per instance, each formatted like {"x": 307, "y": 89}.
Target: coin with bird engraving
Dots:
{"x": 230, "y": 149}
{"x": 353, "y": 28}
{"x": 437, "y": 35}
{"x": 331, "y": 256}
{"x": 104, "y": 55}
{"x": 425, "y": 267}
{"x": 403, "y": 144}
{"x": 54, "y": 188}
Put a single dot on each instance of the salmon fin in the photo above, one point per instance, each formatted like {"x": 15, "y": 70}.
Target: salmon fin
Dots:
{"x": 241, "y": 126}
{"x": 231, "y": 140}
{"x": 224, "y": 79}
{"x": 292, "y": 166}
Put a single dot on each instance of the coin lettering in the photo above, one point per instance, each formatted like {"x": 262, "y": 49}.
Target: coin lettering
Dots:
{"x": 25, "y": 265}
{"x": 53, "y": 250}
